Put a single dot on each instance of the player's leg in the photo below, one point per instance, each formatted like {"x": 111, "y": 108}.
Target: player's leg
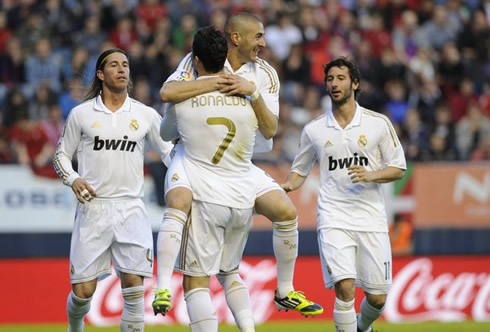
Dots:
{"x": 273, "y": 203}
{"x": 199, "y": 260}
{"x": 202, "y": 314}
{"x": 374, "y": 259}
{"x": 236, "y": 291}
{"x": 132, "y": 256}
{"x": 89, "y": 259}
{"x": 338, "y": 258}
{"x": 133, "y": 314}
{"x": 178, "y": 198}
{"x": 78, "y": 304}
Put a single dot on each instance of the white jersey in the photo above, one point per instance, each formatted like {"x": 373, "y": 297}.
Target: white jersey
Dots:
{"x": 109, "y": 147}
{"x": 370, "y": 141}
{"x": 218, "y": 133}
{"x": 260, "y": 72}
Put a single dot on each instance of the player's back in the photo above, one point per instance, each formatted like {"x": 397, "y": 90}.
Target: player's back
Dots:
{"x": 218, "y": 135}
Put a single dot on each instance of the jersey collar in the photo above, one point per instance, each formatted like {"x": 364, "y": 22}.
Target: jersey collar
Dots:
{"x": 243, "y": 69}
{"x": 356, "y": 121}
{"x": 99, "y": 105}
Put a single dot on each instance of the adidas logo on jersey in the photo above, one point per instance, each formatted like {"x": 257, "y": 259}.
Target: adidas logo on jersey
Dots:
{"x": 194, "y": 264}
{"x": 346, "y": 162}
{"x": 96, "y": 124}
{"x": 328, "y": 144}
{"x": 114, "y": 144}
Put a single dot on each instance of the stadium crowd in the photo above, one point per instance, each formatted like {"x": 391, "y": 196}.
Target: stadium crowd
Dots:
{"x": 424, "y": 63}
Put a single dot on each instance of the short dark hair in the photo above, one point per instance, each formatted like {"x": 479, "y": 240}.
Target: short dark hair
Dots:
{"x": 96, "y": 84}
{"x": 354, "y": 73}
{"x": 210, "y": 46}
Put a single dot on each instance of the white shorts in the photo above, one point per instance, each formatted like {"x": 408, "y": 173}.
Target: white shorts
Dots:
{"x": 176, "y": 176}
{"x": 213, "y": 239}
{"x": 363, "y": 256}
{"x": 110, "y": 229}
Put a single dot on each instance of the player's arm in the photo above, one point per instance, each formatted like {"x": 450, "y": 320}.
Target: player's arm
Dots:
{"x": 178, "y": 91}
{"x": 62, "y": 161}
{"x": 302, "y": 164}
{"x": 163, "y": 148}
{"x": 168, "y": 125}
{"x": 393, "y": 158}
{"x": 388, "y": 174}
{"x": 293, "y": 182}
{"x": 237, "y": 85}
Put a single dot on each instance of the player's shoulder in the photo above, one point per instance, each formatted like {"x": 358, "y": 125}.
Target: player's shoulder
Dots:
{"x": 82, "y": 109}
{"x": 317, "y": 122}
{"x": 373, "y": 116}
{"x": 140, "y": 107}
{"x": 267, "y": 74}
{"x": 264, "y": 65}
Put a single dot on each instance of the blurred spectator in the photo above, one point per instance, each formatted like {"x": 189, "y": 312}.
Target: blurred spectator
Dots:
{"x": 39, "y": 104}
{"x": 114, "y": 11}
{"x": 150, "y": 11}
{"x": 53, "y": 124}
{"x": 444, "y": 125}
{"x": 76, "y": 66}
{"x": 474, "y": 38}
{"x": 401, "y": 236}
{"x": 396, "y": 105}
{"x": 124, "y": 33}
{"x": 33, "y": 29}
{"x": 58, "y": 18}
{"x": 439, "y": 30}
{"x": 392, "y": 13}
{"x": 438, "y": 149}
{"x": 15, "y": 104}
{"x": 7, "y": 155}
{"x": 43, "y": 67}
{"x": 417, "y": 136}
{"x": 91, "y": 37}
{"x": 450, "y": 68}
{"x": 460, "y": 100}
{"x": 32, "y": 146}
{"x": 471, "y": 131}
{"x": 390, "y": 68}
{"x": 72, "y": 97}
{"x": 12, "y": 68}
{"x": 279, "y": 37}
{"x": 407, "y": 36}
{"x": 377, "y": 35}
{"x": 183, "y": 34}
{"x": 482, "y": 152}
{"x": 295, "y": 73}
{"x": 5, "y": 32}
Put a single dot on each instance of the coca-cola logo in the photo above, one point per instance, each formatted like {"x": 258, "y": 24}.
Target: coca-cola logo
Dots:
{"x": 417, "y": 294}
{"x": 107, "y": 302}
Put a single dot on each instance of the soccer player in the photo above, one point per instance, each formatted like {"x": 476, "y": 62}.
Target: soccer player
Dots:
{"x": 108, "y": 132}
{"x": 217, "y": 134}
{"x": 357, "y": 150}
{"x": 250, "y": 76}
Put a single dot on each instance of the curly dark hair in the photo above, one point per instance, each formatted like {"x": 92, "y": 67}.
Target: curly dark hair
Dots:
{"x": 210, "y": 46}
{"x": 354, "y": 73}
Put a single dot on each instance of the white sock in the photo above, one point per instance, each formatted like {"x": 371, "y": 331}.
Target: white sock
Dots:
{"x": 285, "y": 245}
{"x": 201, "y": 310}
{"x": 76, "y": 309}
{"x": 368, "y": 315}
{"x": 133, "y": 315}
{"x": 168, "y": 245}
{"x": 344, "y": 316}
{"x": 238, "y": 300}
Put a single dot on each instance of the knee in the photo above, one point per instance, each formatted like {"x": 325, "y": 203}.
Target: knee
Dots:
{"x": 180, "y": 199}
{"x": 83, "y": 291}
{"x": 276, "y": 207}
{"x": 377, "y": 301}
{"x": 345, "y": 290}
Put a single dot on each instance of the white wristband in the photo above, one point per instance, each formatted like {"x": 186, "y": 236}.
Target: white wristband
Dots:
{"x": 255, "y": 95}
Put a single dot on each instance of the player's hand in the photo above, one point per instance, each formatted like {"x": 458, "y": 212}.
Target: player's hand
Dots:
{"x": 359, "y": 174}
{"x": 287, "y": 186}
{"x": 236, "y": 85}
{"x": 83, "y": 191}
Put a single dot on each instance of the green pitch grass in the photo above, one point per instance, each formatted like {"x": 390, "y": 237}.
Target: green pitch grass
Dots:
{"x": 277, "y": 327}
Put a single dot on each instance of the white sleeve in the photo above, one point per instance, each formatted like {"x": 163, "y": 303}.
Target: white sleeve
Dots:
{"x": 268, "y": 85}
{"x": 67, "y": 146}
{"x": 168, "y": 125}
{"x": 185, "y": 70}
{"x": 391, "y": 149}
{"x": 306, "y": 157}
{"x": 161, "y": 147}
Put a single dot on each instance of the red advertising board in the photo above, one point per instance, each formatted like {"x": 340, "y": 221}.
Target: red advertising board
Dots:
{"x": 424, "y": 288}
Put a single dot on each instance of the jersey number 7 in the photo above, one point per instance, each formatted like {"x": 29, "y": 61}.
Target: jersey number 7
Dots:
{"x": 228, "y": 138}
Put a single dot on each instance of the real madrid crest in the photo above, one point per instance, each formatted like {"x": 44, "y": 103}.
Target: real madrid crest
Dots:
{"x": 362, "y": 141}
{"x": 134, "y": 125}
{"x": 175, "y": 177}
